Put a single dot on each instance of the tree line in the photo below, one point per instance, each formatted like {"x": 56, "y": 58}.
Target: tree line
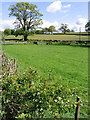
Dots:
{"x": 47, "y": 30}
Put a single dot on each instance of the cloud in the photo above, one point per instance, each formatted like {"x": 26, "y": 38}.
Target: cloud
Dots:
{"x": 67, "y": 6}
{"x": 6, "y": 24}
{"x": 48, "y": 24}
{"x": 55, "y": 6}
{"x": 81, "y": 22}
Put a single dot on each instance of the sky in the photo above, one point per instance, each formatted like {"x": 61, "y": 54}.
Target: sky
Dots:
{"x": 74, "y": 14}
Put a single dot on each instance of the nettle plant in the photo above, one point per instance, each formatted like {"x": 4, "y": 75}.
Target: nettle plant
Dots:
{"x": 28, "y": 95}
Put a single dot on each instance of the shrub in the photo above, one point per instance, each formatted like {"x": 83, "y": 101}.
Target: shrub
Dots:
{"x": 12, "y": 32}
{"x": 7, "y": 32}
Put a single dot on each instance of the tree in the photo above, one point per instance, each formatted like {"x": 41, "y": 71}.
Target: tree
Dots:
{"x": 45, "y": 30}
{"x": 72, "y": 31}
{"x": 12, "y": 32}
{"x": 87, "y": 27}
{"x": 63, "y": 28}
{"x": 7, "y": 32}
{"x": 19, "y": 32}
{"x": 68, "y": 30}
{"x": 38, "y": 32}
{"x": 52, "y": 29}
{"x": 27, "y": 17}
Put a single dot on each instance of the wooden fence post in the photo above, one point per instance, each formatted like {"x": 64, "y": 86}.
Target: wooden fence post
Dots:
{"x": 77, "y": 109}
{"x": 15, "y": 63}
{"x": 15, "y": 66}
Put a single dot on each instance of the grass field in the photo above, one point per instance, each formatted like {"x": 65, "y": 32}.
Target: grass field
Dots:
{"x": 51, "y": 37}
{"x": 68, "y": 63}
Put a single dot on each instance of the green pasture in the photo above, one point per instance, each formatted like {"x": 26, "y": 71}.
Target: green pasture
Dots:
{"x": 51, "y": 37}
{"x": 68, "y": 64}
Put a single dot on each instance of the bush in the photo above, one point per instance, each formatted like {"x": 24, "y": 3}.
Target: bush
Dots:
{"x": 7, "y": 32}
{"x": 19, "y": 32}
{"x": 12, "y": 32}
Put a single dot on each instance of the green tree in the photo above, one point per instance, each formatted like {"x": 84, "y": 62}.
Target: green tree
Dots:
{"x": 38, "y": 32}
{"x": 72, "y": 31}
{"x": 27, "y": 17}
{"x": 52, "y": 29}
{"x": 7, "y": 32}
{"x": 63, "y": 28}
{"x": 45, "y": 30}
{"x": 87, "y": 27}
{"x": 19, "y": 32}
{"x": 12, "y": 32}
{"x": 68, "y": 30}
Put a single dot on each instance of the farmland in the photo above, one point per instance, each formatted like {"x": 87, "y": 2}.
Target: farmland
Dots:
{"x": 52, "y": 37}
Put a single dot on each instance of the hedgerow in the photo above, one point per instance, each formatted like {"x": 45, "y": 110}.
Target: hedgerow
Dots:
{"x": 28, "y": 95}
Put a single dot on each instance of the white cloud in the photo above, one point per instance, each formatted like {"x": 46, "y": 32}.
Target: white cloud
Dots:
{"x": 67, "y": 6}
{"x": 81, "y": 22}
{"x": 55, "y": 6}
{"x": 48, "y": 24}
{"x": 6, "y": 24}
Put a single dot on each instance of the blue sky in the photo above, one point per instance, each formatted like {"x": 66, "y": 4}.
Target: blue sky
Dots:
{"x": 75, "y": 14}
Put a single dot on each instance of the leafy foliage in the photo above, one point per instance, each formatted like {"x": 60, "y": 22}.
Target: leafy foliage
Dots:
{"x": 63, "y": 28}
{"x": 12, "y": 32}
{"x": 87, "y": 27}
{"x": 52, "y": 29}
{"x": 7, "y": 32}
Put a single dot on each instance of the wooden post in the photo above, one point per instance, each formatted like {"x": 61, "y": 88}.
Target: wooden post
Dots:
{"x": 15, "y": 65}
{"x": 77, "y": 109}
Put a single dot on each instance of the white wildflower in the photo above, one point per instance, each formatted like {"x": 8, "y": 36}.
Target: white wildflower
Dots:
{"x": 62, "y": 102}
{"x": 59, "y": 98}
{"x": 55, "y": 100}
{"x": 38, "y": 93}
{"x": 41, "y": 109}
{"x": 81, "y": 104}
{"x": 32, "y": 83}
